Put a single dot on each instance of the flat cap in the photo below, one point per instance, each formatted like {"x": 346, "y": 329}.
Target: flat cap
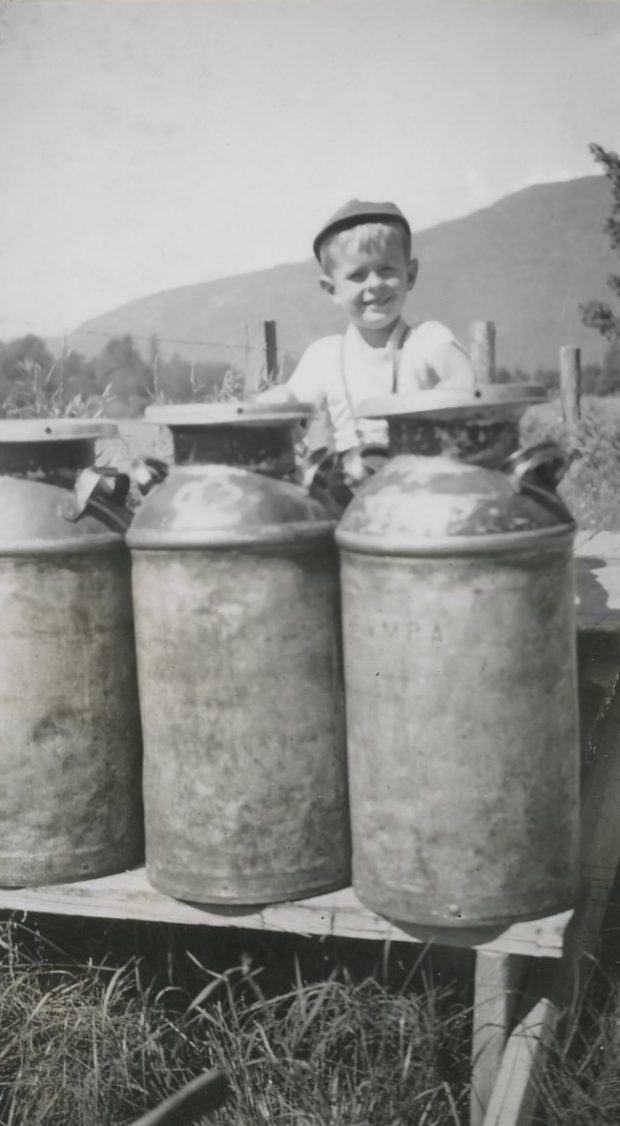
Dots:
{"x": 359, "y": 211}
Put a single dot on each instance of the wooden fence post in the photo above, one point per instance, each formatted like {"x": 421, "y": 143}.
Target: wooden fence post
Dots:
{"x": 570, "y": 387}
{"x": 271, "y": 350}
{"x": 261, "y": 355}
{"x": 482, "y": 350}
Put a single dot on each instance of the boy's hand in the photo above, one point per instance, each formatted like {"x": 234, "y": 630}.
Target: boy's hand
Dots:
{"x": 353, "y": 467}
{"x": 277, "y": 394}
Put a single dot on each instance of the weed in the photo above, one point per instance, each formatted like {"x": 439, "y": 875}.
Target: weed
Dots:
{"x": 41, "y": 394}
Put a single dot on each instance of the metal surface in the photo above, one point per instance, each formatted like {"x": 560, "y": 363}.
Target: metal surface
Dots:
{"x": 488, "y": 402}
{"x": 435, "y": 505}
{"x": 249, "y": 414}
{"x": 225, "y": 506}
{"x": 70, "y": 804}
{"x": 50, "y": 430}
{"x": 236, "y": 596}
{"x": 460, "y": 670}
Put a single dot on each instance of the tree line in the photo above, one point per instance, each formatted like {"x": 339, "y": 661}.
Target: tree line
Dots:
{"x": 119, "y": 382}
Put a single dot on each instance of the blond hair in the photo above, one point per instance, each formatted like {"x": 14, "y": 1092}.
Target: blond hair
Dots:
{"x": 364, "y": 236}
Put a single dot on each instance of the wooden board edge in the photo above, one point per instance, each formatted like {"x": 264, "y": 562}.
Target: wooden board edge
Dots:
{"x": 515, "y": 1093}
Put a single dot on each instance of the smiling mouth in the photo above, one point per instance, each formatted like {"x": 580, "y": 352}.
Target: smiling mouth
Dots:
{"x": 377, "y": 306}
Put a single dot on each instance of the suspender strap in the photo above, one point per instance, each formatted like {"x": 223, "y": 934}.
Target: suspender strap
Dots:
{"x": 397, "y": 356}
{"x": 397, "y": 340}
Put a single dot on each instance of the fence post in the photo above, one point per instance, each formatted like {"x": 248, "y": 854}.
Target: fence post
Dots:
{"x": 482, "y": 350}
{"x": 271, "y": 350}
{"x": 570, "y": 387}
{"x": 261, "y": 355}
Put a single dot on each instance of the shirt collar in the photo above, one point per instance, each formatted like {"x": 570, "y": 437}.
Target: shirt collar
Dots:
{"x": 354, "y": 335}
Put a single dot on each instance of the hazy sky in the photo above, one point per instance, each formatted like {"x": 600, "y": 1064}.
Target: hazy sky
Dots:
{"x": 146, "y": 144}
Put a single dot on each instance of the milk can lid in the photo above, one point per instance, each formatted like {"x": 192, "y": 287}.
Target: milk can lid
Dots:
{"x": 488, "y": 401}
{"x": 230, "y": 413}
{"x": 55, "y": 429}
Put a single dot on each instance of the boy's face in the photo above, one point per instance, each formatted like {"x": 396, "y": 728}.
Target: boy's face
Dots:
{"x": 370, "y": 286}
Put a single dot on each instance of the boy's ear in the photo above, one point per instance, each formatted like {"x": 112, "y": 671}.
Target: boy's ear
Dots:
{"x": 412, "y": 273}
{"x": 327, "y": 284}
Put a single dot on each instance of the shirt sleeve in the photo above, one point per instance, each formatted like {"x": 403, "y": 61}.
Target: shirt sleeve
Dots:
{"x": 441, "y": 358}
{"x": 305, "y": 385}
{"x": 453, "y": 367}
{"x": 307, "y": 382}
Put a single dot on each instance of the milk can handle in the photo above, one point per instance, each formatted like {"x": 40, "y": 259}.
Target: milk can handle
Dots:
{"x": 542, "y": 465}
{"x": 148, "y": 472}
{"x": 103, "y": 493}
{"x": 537, "y": 471}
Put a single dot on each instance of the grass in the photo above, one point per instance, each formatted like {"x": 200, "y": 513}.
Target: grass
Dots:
{"x": 591, "y": 486}
{"x": 581, "y": 1082}
{"x": 93, "y": 1037}
{"x": 41, "y": 394}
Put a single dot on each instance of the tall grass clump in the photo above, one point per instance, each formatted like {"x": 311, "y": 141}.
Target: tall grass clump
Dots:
{"x": 591, "y": 486}
{"x": 42, "y": 394}
{"x": 81, "y": 1043}
{"x": 97, "y": 1041}
{"x": 580, "y": 1085}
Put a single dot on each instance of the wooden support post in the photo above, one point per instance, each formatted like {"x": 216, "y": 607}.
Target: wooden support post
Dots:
{"x": 193, "y": 1102}
{"x": 482, "y": 350}
{"x": 514, "y": 1098}
{"x": 570, "y": 387}
{"x": 497, "y": 979}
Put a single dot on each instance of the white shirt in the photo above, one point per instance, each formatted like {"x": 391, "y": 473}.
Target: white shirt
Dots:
{"x": 337, "y": 373}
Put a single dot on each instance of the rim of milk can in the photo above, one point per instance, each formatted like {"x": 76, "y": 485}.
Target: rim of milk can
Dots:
{"x": 508, "y": 400}
{"x": 54, "y": 429}
{"x": 237, "y": 413}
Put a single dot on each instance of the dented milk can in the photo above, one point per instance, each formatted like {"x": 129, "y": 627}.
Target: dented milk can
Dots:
{"x": 70, "y": 799}
{"x": 460, "y": 668}
{"x": 236, "y": 597}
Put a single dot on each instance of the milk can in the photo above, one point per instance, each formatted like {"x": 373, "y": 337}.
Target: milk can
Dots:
{"x": 70, "y": 803}
{"x": 236, "y": 597}
{"x": 460, "y": 668}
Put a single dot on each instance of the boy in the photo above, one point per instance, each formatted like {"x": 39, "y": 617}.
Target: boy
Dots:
{"x": 365, "y": 253}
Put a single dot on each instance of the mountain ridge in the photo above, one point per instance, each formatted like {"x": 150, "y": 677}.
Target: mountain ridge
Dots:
{"x": 526, "y": 262}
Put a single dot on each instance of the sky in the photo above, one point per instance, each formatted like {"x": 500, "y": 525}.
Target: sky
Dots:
{"x": 149, "y": 144}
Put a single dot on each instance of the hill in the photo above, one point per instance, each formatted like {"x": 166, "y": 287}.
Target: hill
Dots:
{"x": 526, "y": 262}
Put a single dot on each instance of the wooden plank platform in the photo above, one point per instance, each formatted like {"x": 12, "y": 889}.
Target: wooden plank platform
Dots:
{"x": 130, "y": 896}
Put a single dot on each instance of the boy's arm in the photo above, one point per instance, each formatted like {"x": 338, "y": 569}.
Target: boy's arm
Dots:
{"x": 431, "y": 357}
{"x": 453, "y": 367}
{"x": 304, "y": 386}
{"x": 439, "y": 358}
{"x": 280, "y": 393}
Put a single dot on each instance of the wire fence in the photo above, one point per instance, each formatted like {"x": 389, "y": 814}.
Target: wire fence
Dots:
{"x": 69, "y": 338}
